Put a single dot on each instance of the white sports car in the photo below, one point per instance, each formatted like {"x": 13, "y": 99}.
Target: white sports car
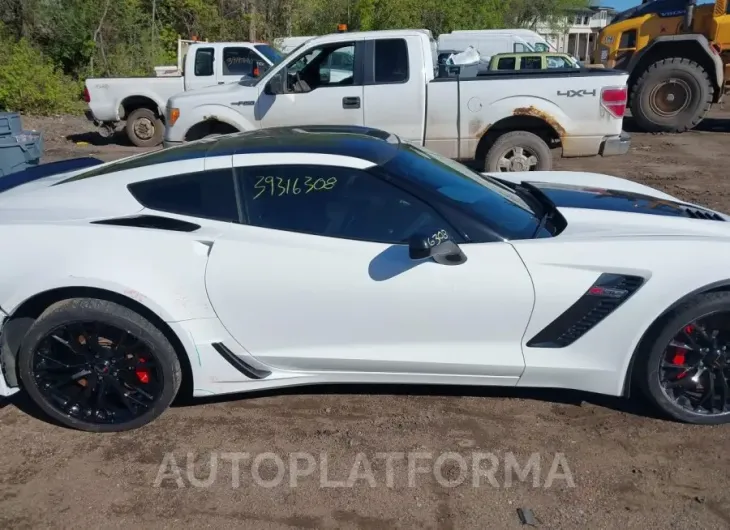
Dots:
{"x": 324, "y": 254}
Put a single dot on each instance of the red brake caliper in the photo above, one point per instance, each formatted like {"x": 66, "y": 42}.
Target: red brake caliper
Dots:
{"x": 143, "y": 374}
{"x": 680, "y": 355}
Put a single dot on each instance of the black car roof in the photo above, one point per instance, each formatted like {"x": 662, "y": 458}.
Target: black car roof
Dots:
{"x": 373, "y": 145}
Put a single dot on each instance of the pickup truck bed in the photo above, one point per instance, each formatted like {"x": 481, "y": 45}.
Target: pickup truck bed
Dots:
{"x": 570, "y": 111}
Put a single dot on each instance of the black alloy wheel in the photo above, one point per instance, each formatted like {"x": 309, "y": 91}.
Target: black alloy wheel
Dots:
{"x": 686, "y": 372}
{"x": 98, "y": 366}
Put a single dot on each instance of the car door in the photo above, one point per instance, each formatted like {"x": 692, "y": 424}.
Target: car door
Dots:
{"x": 316, "y": 97}
{"x": 320, "y": 280}
{"x": 395, "y": 90}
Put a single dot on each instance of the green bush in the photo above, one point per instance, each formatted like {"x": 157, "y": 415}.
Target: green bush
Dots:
{"x": 31, "y": 83}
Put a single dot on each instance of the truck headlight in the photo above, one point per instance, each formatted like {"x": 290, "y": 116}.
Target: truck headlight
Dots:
{"x": 172, "y": 115}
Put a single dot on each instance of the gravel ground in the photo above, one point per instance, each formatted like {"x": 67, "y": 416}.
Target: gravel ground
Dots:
{"x": 628, "y": 468}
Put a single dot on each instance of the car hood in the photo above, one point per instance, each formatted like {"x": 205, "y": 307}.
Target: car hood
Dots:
{"x": 597, "y": 205}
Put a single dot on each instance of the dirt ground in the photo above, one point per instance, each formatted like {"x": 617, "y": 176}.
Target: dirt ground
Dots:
{"x": 629, "y": 469}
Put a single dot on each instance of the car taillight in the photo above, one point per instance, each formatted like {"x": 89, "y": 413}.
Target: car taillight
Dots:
{"x": 614, "y": 100}
{"x": 87, "y": 96}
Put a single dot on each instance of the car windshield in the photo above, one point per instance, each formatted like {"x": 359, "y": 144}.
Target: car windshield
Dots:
{"x": 270, "y": 53}
{"x": 493, "y": 203}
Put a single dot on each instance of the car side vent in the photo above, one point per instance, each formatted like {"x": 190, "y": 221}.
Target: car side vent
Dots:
{"x": 151, "y": 221}
{"x": 599, "y": 301}
{"x": 696, "y": 213}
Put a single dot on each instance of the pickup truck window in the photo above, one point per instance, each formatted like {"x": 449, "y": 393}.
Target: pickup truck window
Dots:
{"x": 204, "y": 62}
{"x": 531, "y": 63}
{"x": 555, "y": 61}
{"x": 240, "y": 61}
{"x": 489, "y": 201}
{"x": 507, "y": 63}
{"x": 391, "y": 61}
{"x": 333, "y": 202}
{"x": 206, "y": 194}
{"x": 317, "y": 68}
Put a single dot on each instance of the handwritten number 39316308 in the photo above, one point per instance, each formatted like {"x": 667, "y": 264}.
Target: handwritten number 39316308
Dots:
{"x": 279, "y": 186}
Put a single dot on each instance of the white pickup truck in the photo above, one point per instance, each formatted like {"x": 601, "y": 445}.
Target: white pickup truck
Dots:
{"x": 141, "y": 100}
{"x": 506, "y": 121}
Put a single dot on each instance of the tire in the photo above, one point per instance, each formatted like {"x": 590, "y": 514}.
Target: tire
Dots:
{"x": 530, "y": 144}
{"x": 647, "y": 376}
{"x": 138, "y": 127}
{"x": 165, "y": 373}
{"x": 654, "y": 113}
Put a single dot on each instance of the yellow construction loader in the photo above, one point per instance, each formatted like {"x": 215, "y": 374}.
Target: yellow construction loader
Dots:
{"x": 678, "y": 58}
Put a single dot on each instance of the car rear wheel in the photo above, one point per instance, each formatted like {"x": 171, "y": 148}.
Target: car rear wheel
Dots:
{"x": 97, "y": 366}
{"x": 687, "y": 371}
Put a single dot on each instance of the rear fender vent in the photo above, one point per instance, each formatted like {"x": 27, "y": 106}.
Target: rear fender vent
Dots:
{"x": 599, "y": 301}
{"x": 696, "y": 213}
{"x": 151, "y": 221}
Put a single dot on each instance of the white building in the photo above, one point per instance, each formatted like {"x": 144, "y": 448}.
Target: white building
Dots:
{"x": 577, "y": 33}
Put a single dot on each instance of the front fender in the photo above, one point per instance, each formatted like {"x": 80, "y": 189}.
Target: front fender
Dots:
{"x": 219, "y": 113}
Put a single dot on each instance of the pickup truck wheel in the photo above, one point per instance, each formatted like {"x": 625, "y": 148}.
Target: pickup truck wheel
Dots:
{"x": 144, "y": 128}
{"x": 519, "y": 151}
{"x": 672, "y": 95}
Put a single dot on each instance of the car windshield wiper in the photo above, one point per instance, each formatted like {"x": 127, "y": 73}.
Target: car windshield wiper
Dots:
{"x": 540, "y": 203}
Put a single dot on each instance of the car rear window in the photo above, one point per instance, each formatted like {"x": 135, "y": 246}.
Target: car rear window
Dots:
{"x": 184, "y": 152}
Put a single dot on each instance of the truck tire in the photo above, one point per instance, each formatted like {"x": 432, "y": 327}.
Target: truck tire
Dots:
{"x": 672, "y": 95}
{"x": 519, "y": 151}
{"x": 144, "y": 128}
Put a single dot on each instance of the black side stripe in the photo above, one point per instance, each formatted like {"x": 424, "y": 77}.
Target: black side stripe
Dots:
{"x": 599, "y": 301}
{"x": 240, "y": 365}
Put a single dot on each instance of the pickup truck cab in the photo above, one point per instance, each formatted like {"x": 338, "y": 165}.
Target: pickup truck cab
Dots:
{"x": 506, "y": 121}
{"x": 531, "y": 61}
{"x": 141, "y": 100}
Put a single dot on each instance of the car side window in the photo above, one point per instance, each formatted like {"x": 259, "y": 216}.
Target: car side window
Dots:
{"x": 241, "y": 61}
{"x": 204, "y": 62}
{"x": 506, "y": 63}
{"x": 391, "y": 61}
{"x": 531, "y": 63}
{"x": 205, "y": 194}
{"x": 333, "y": 202}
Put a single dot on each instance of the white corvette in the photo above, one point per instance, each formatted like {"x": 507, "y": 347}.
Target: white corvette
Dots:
{"x": 342, "y": 255}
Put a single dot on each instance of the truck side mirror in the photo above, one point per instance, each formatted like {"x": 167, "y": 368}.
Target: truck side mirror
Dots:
{"x": 277, "y": 84}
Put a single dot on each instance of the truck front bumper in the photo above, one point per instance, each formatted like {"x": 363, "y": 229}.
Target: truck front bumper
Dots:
{"x": 616, "y": 145}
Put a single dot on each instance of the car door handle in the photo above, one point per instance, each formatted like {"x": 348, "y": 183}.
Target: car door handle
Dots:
{"x": 351, "y": 103}
{"x": 221, "y": 82}
{"x": 244, "y": 103}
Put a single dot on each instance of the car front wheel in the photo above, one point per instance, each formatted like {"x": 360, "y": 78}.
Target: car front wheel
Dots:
{"x": 687, "y": 371}
{"x": 98, "y": 366}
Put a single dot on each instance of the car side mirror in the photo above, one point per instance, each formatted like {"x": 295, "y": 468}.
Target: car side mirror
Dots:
{"x": 277, "y": 84}
{"x": 438, "y": 246}
{"x": 325, "y": 76}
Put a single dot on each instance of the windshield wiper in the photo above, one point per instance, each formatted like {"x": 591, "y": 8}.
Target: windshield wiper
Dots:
{"x": 540, "y": 203}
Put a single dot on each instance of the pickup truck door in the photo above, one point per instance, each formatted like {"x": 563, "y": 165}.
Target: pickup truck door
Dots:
{"x": 317, "y": 95}
{"x": 239, "y": 62}
{"x": 200, "y": 67}
{"x": 395, "y": 87}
